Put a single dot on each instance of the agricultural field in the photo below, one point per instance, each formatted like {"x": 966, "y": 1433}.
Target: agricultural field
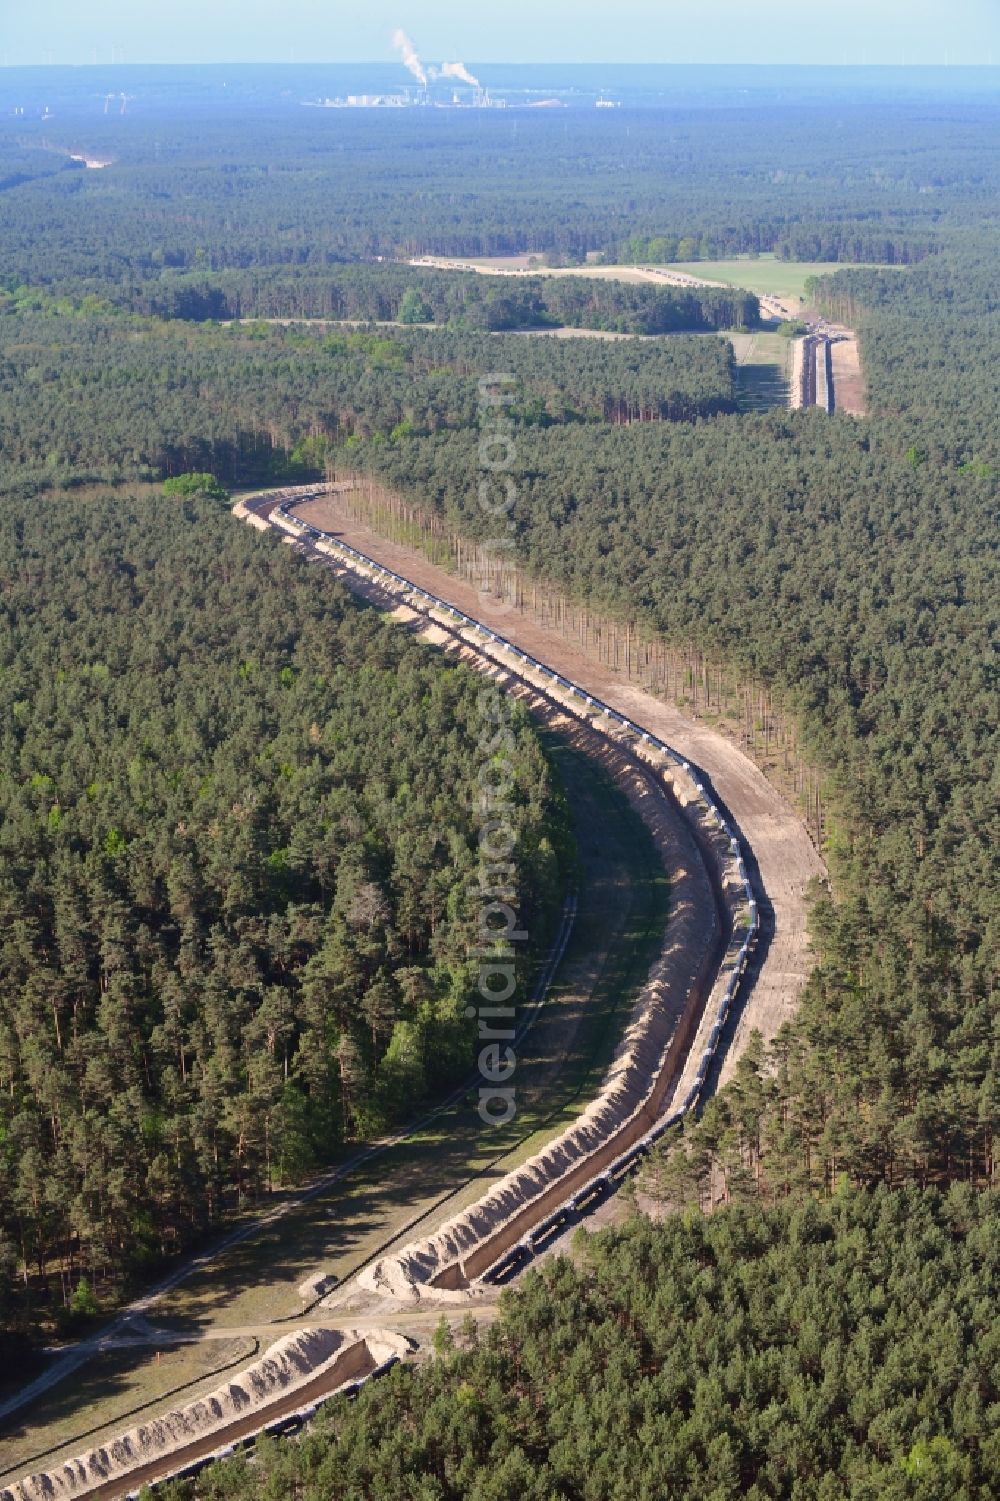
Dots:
{"x": 764, "y": 274}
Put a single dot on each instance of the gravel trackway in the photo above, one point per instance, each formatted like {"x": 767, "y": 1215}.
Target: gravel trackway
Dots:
{"x": 782, "y": 851}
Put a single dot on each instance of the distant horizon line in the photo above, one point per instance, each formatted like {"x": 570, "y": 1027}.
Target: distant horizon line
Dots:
{"x": 859, "y": 63}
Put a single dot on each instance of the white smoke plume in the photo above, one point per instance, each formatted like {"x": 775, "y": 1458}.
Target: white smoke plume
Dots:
{"x": 459, "y": 71}
{"x": 409, "y": 54}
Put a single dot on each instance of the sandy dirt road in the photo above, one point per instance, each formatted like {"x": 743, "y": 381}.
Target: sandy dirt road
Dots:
{"x": 783, "y": 858}
{"x": 771, "y": 306}
{"x": 848, "y": 381}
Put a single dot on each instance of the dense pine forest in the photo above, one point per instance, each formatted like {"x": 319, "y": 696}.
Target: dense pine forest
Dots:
{"x": 197, "y": 196}
{"x": 816, "y": 1350}
{"x": 225, "y": 916}
{"x": 853, "y": 567}
{"x": 379, "y": 292}
{"x": 246, "y": 402}
{"x": 237, "y": 860}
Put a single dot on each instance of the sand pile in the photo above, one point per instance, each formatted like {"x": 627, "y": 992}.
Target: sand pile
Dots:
{"x": 632, "y": 1094}
{"x": 240, "y": 511}
{"x": 294, "y": 1360}
{"x": 645, "y": 1067}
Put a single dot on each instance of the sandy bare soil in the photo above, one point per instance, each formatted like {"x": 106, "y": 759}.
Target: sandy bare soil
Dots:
{"x": 512, "y": 267}
{"x": 299, "y": 1367}
{"x": 848, "y": 381}
{"x": 780, "y": 846}
{"x": 517, "y": 265}
{"x": 795, "y": 385}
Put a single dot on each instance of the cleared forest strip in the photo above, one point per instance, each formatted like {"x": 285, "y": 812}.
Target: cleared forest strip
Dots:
{"x": 796, "y": 391}
{"x": 591, "y": 273}
{"x": 848, "y": 380}
{"x": 824, "y": 381}
{"x": 299, "y": 1368}
{"x": 827, "y": 372}
{"x": 781, "y": 848}
{"x": 686, "y": 982}
{"x": 807, "y": 393}
{"x": 763, "y": 370}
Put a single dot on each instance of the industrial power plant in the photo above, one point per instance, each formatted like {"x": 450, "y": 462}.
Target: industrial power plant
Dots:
{"x": 428, "y": 93}
{"x": 479, "y": 98}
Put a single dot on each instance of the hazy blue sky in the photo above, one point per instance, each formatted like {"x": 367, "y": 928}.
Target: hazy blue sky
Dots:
{"x": 926, "y": 31}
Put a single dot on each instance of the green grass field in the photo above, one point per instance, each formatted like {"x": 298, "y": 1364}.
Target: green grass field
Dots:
{"x": 114, "y": 1392}
{"x": 762, "y": 374}
{"x": 763, "y": 275}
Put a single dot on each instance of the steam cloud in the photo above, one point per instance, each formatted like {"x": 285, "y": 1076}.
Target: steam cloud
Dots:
{"x": 411, "y": 60}
{"x": 409, "y": 54}
{"x": 459, "y": 71}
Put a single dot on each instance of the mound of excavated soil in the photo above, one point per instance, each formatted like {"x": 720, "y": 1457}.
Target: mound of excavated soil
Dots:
{"x": 439, "y": 1267}
{"x": 294, "y": 1360}
{"x": 785, "y": 857}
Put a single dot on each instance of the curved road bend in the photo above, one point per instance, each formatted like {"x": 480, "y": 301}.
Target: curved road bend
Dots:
{"x": 781, "y": 856}
{"x": 780, "y": 850}
{"x": 131, "y": 1328}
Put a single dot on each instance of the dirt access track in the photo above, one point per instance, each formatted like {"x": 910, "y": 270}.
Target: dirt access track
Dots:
{"x": 650, "y": 1063}
{"x": 785, "y": 861}
{"x": 848, "y": 393}
{"x": 782, "y": 855}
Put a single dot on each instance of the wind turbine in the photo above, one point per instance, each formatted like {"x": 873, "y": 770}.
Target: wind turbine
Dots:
{"x": 125, "y": 99}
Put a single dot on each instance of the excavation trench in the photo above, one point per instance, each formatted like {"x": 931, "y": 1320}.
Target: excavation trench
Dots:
{"x": 651, "y": 1065}
{"x": 650, "y": 1059}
